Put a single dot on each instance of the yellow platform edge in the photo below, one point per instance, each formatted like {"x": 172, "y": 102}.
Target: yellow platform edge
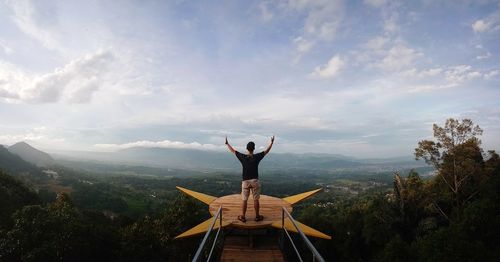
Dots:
{"x": 299, "y": 197}
{"x": 308, "y": 231}
{"x": 207, "y": 199}
{"x": 202, "y": 228}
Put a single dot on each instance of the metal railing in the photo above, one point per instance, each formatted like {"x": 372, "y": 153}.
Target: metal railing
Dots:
{"x": 203, "y": 242}
{"x": 316, "y": 255}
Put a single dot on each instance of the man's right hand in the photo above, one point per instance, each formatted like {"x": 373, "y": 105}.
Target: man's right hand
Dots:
{"x": 269, "y": 146}
{"x": 229, "y": 146}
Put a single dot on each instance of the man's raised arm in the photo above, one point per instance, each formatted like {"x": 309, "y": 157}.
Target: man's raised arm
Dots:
{"x": 230, "y": 147}
{"x": 269, "y": 146}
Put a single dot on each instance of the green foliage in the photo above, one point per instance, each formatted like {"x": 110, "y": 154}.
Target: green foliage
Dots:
{"x": 152, "y": 239}
{"x": 98, "y": 196}
{"x": 57, "y": 232}
{"x": 460, "y": 164}
{"x": 453, "y": 133}
{"x": 450, "y": 244}
{"x": 13, "y": 196}
{"x": 61, "y": 231}
{"x": 396, "y": 249}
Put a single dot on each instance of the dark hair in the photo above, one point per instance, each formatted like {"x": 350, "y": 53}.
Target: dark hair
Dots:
{"x": 251, "y": 146}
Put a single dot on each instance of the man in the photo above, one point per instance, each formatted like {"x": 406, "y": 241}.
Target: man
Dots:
{"x": 250, "y": 164}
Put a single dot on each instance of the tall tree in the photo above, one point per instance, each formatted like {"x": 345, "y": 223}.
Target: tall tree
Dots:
{"x": 457, "y": 156}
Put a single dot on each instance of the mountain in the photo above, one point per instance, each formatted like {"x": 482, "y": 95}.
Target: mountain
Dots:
{"x": 199, "y": 160}
{"x": 192, "y": 159}
{"x": 13, "y": 164}
{"x": 31, "y": 154}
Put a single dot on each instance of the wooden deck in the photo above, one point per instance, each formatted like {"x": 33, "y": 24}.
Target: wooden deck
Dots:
{"x": 270, "y": 208}
{"x": 262, "y": 249}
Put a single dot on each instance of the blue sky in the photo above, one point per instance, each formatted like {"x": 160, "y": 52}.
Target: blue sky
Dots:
{"x": 360, "y": 78}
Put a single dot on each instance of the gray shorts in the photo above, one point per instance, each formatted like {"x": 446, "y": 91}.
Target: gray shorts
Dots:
{"x": 247, "y": 185}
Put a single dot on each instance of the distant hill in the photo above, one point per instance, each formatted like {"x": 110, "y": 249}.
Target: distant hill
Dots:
{"x": 192, "y": 159}
{"x": 216, "y": 160}
{"x": 13, "y": 164}
{"x": 31, "y": 154}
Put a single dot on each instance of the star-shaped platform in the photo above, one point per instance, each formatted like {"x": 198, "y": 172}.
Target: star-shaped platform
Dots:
{"x": 270, "y": 208}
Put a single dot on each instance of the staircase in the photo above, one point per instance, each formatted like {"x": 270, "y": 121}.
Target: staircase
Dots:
{"x": 251, "y": 248}
{"x": 252, "y": 244}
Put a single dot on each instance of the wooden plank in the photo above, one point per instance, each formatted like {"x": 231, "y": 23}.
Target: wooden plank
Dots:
{"x": 270, "y": 208}
{"x": 252, "y": 255}
{"x": 236, "y": 248}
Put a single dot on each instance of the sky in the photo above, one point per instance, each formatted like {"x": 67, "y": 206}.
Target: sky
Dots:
{"x": 358, "y": 78}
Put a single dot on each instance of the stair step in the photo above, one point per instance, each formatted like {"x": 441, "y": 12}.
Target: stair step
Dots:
{"x": 251, "y": 248}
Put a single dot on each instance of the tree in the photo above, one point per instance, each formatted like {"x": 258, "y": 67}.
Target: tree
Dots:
{"x": 410, "y": 200}
{"x": 58, "y": 232}
{"x": 13, "y": 196}
{"x": 152, "y": 239}
{"x": 458, "y": 158}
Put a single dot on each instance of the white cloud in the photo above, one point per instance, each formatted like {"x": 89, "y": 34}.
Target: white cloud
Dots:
{"x": 302, "y": 47}
{"x": 73, "y": 83}
{"x": 37, "y": 19}
{"x": 372, "y": 49}
{"x": 426, "y": 88}
{"x": 377, "y": 43}
{"x": 36, "y": 135}
{"x": 474, "y": 74}
{"x": 487, "y": 24}
{"x": 160, "y": 144}
{"x": 485, "y": 56}
{"x": 416, "y": 81}
{"x": 425, "y": 73}
{"x": 390, "y": 14}
{"x": 322, "y": 21}
{"x": 330, "y": 69}
{"x": 391, "y": 24}
{"x": 491, "y": 74}
{"x": 388, "y": 53}
{"x": 480, "y": 26}
{"x": 398, "y": 57}
{"x": 460, "y": 73}
{"x": 11, "y": 139}
{"x": 7, "y": 94}
{"x": 431, "y": 72}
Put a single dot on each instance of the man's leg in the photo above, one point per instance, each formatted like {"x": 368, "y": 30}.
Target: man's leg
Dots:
{"x": 245, "y": 192}
{"x": 256, "y": 197}
{"x": 256, "y": 206}
{"x": 244, "y": 207}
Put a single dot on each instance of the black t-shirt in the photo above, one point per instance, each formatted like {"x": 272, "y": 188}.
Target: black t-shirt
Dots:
{"x": 250, "y": 164}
